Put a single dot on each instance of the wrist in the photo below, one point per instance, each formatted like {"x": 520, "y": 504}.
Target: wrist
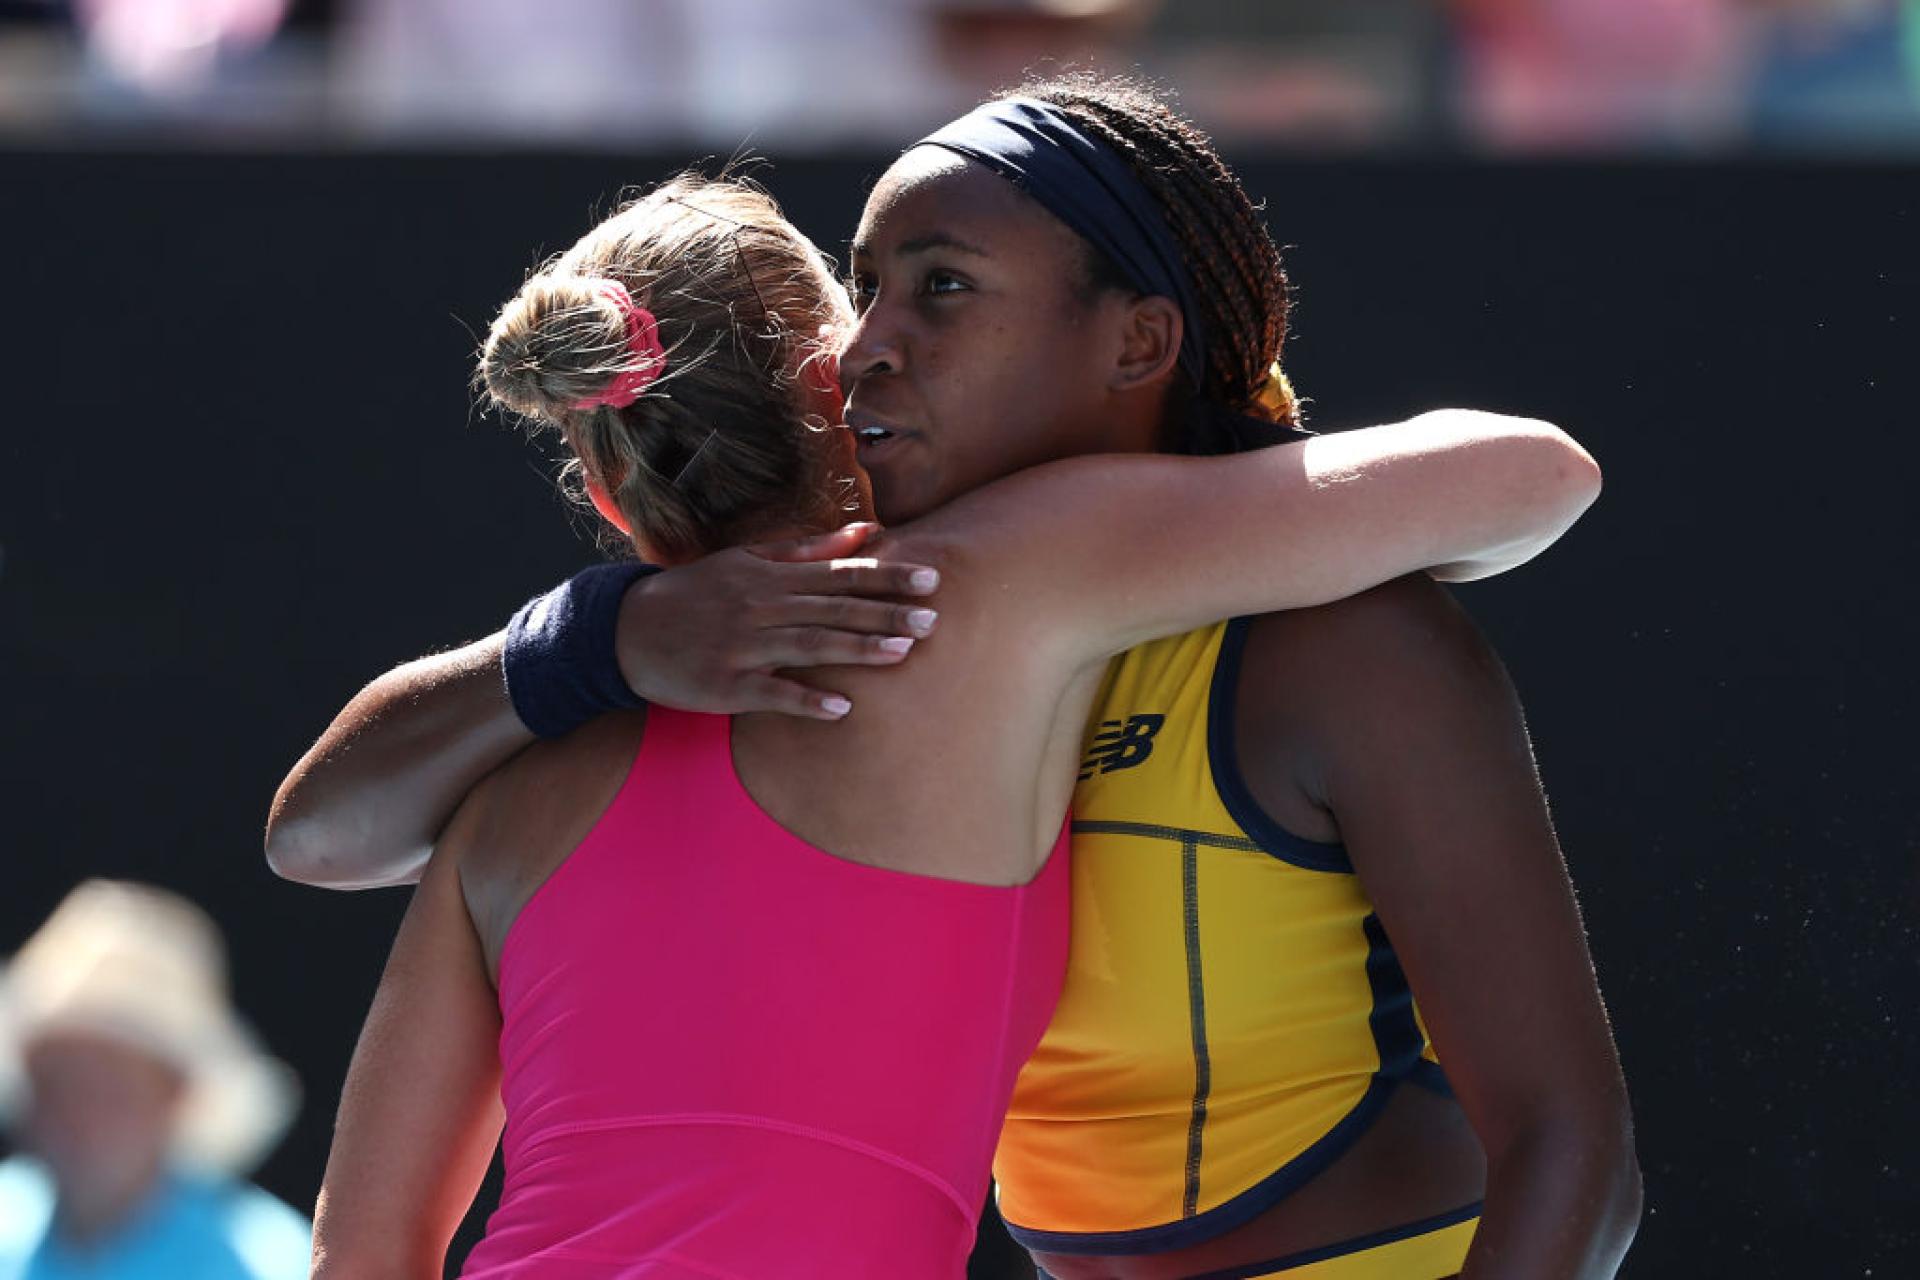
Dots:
{"x": 559, "y": 659}
{"x": 630, "y": 619}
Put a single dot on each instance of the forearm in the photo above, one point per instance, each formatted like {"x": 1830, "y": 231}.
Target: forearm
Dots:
{"x": 1560, "y": 1205}
{"x": 363, "y": 807}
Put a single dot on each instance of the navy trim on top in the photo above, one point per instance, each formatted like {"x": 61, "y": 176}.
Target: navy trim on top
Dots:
{"x": 1347, "y": 1248}
{"x": 1431, "y": 1077}
{"x": 1396, "y": 1033}
{"x": 1310, "y": 855}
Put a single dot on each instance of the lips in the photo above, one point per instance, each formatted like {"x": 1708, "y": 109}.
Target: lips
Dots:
{"x": 876, "y": 437}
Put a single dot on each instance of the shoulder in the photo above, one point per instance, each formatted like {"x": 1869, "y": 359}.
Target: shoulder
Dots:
{"x": 1400, "y": 666}
{"x": 548, "y": 780}
{"x": 524, "y": 819}
{"x": 1365, "y": 649}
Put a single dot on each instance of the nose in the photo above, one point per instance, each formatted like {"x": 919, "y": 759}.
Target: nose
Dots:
{"x": 874, "y": 347}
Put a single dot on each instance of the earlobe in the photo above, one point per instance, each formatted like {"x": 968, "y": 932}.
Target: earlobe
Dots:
{"x": 1150, "y": 346}
{"x": 609, "y": 509}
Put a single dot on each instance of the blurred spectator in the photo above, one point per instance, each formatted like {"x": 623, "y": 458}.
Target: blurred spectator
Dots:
{"x": 713, "y": 71}
{"x": 989, "y": 44}
{"x": 718, "y": 72}
{"x": 139, "y": 1098}
{"x": 1559, "y": 73}
{"x": 172, "y": 45}
{"x": 1838, "y": 71}
{"x": 722, "y": 74}
{"x": 1357, "y": 73}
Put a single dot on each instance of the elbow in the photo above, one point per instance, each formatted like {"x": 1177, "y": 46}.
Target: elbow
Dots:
{"x": 296, "y": 844}
{"x": 1536, "y": 469}
{"x": 1574, "y": 476}
{"x": 1553, "y": 481}
{"x": 293, "y": 854}
{"x": 310, "y": 851}
{"x": 1559, "y": 476}
{"x": 1586, "y": 1163}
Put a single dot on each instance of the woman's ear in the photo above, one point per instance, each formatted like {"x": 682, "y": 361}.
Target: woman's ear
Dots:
{"x": 1152, "y": 330}
{"x": 609, "y": 509}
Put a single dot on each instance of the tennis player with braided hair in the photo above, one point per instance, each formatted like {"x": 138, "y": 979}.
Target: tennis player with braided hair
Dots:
{"x": 1283, "y": 825}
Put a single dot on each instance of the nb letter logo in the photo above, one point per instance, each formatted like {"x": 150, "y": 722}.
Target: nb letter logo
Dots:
{"x": 1121, "y": 744}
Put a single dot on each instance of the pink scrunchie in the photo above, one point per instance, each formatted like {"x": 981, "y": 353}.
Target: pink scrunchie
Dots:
{"x": 643, "y": 340}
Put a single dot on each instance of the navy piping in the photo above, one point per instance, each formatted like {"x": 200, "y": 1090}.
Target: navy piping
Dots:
{"x": 1346, "y": 1248}
{"x": 1397, "y": 1041}
{"x": 1429, "y": 1076}
{"x": 1273, "y": 839}
{"x": 1396, "y": 1036}
{"x": 1153, "y": 831}
{"x": 1197, "y": 1017}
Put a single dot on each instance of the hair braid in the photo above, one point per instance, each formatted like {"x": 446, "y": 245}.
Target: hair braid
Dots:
{"x": 1236, "y": 267}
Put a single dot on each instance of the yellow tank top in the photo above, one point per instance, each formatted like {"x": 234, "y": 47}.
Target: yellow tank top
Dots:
{"x": 1234, "y": 1015}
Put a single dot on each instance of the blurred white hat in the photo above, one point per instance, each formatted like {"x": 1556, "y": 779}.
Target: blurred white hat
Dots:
{"x": 147, "y": 968}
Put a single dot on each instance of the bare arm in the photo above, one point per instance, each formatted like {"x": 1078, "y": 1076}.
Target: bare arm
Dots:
{"x": 1125, "y": 549}
{"x": 1429, "y": 774}
{"x": 421, "y": 1109}
{"x": 363, "y": 807}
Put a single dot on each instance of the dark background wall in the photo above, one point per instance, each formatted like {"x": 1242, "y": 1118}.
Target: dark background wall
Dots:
{"x": 241, "y": 472}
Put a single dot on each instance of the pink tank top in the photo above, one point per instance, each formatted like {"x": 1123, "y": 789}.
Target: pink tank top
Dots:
{"x": 727, "y": 1053}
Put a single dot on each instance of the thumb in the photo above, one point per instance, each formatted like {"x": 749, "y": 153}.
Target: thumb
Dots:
{"x": 836, "y": 545}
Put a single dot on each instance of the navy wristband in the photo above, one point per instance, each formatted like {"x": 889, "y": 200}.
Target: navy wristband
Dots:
{"x": 559, "y": 662}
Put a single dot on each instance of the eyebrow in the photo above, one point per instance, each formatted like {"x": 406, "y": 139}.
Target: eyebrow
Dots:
{"x": 922, "y": 243}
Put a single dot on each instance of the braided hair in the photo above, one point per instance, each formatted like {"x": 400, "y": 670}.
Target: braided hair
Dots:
{"x": 1236, "y": 269}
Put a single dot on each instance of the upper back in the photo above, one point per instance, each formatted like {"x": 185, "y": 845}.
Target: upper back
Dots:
{"x": 957, "y": 763}
{"x": 692, "y": 973}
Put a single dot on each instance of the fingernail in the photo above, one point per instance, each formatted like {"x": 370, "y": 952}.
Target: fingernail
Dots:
{"x": 896, "y": 644}
{"x": 835, "y": 705}
{"x": 920, "y": 621}
{"x": 924, "y": 579}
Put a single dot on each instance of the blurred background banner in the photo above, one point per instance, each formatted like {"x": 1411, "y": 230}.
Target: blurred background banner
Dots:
{"x": 249, "y": 244}
{"x": 1695, "y": 76}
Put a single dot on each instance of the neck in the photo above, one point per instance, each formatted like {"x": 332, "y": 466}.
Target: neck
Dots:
{"x": 89, "y": 1213}
{"x": 1138, "y": 421}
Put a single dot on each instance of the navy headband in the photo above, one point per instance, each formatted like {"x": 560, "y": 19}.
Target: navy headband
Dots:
{"x": 1086, "y": 185}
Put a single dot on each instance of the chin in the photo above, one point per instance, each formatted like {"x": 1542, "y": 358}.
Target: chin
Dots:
{"x": 898, "y": 503}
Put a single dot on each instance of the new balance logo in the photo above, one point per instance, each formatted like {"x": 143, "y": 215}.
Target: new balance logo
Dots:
{"x": 1121, "y": 744}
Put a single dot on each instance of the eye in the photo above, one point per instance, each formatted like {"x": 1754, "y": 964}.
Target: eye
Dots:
{"x": 939, "y": 282}
{"x": 861, "y": 290}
